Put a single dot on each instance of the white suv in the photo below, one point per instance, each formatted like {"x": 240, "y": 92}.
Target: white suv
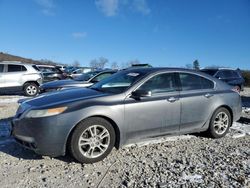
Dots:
{"x": 17, "y": 76}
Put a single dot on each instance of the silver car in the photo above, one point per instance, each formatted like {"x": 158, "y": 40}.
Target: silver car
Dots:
{"x": 129, "y": 106}
{"x": 17, "y": 76}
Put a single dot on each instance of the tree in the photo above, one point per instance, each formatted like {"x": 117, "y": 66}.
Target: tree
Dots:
{"x": 114, "y": 66}
{"x": 196, "y": 65}
{"x": 76, "y": 64}
{"x": 129, "y": 63}
{"x": 188, "y": 66}
{"x": 98, "y": 63}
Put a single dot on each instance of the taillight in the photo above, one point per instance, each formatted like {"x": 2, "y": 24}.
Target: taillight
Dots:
{"x": 236, "y": 89}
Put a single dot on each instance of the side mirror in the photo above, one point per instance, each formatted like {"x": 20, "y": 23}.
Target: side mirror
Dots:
{"x": 141, "y": 93}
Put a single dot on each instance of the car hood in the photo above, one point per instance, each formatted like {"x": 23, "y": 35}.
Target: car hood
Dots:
{"x": 61, "y": 97}
{"x": 63, "y": 83}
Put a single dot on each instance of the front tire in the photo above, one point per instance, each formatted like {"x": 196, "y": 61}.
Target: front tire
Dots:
{"x": 31, "y": 89}
{"x": 220, "y": 123}
{"x": 92, "y": 140}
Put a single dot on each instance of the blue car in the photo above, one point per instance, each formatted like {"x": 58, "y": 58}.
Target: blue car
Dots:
{"x": 230, "y": 76}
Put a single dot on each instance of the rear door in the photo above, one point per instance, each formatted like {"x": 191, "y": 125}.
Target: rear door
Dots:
{"x": 157, "y": 114}
{"x": 196, "y": 96}
{"x": 13, "y": 76}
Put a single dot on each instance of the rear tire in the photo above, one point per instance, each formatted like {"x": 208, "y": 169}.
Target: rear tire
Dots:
{"x": 31, "y": 89}
{"x": 92, "y": 140}
{"x": 220, "y": 123}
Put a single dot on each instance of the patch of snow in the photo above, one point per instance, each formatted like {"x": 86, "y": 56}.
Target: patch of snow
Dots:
{"x": 193, "y": 178}
{"x": 246, "y": 110}
{"x": 160, "y": 140}
{"x": 10, "y": 99}
{"x": 242, "y": 129}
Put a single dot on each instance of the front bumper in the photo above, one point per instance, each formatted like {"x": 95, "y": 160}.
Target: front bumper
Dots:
{"x": 45, "y": 136}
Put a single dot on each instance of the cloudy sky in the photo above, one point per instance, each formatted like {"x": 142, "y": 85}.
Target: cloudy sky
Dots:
{"x": 159, "y": 32}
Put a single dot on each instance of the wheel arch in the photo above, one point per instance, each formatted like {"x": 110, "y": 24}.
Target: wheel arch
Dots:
{"x": 112, "y": 122}
{"x": 229, "y": 109}
{"x": 35, "y": 82}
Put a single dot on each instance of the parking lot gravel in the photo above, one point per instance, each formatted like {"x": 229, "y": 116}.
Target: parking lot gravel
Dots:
{"x": 180, "y": 161}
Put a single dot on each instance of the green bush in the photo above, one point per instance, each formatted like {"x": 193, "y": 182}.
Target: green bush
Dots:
{"x": 246, "y": 76}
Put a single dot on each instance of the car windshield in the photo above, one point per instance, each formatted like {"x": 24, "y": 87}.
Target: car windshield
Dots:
{"x": 86, "y": 76}
{"x": 209, "y": 71}
{"x": 119, "y": 82}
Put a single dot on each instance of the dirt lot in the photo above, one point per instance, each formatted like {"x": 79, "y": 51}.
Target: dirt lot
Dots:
{"x": 182, "y": 161}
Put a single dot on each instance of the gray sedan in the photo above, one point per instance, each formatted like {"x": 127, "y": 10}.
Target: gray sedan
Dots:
{"x": 130, "y": 106}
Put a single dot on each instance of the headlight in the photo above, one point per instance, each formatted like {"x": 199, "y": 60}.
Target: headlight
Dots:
{"x": 45, "y": 112}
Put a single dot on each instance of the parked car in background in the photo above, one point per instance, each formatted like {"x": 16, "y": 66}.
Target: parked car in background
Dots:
{"x": 76, "y": 73}
{"x": 85, "y": 80}
{"x": 17, "y": 76}
{"x": 129, "y": 106}
{"x": 61, "y": 67}
{"x": 230, "y": 76}
{"x": 141, "y": 65}
{"x": 51, "y": 73}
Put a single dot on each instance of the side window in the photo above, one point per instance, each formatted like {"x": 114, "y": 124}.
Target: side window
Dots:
{"x": 190, "y": 81}
{"x": 206, "y": 84}
{"x": 101, "y": 77}
{"x": 194, "y": 82}
{"x": 16, "y": 68}
{"x": 24, "y": 68}
{"x": 160, "y": 83}
{"x": 1, "y": 68}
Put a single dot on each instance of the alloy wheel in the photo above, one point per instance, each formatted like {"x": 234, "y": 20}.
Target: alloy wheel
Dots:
{"x": 31, "y": 90}
{"x": 221, "y": 123}
{"x": 94, "y": 141}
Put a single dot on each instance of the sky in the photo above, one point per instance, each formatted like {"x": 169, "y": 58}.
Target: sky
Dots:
{"x": 166, "y": 33}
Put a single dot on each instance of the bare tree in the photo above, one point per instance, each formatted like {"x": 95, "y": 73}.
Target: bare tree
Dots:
{"x": 189, "y": 66}
{"x": 133, "y": 62}
{"x": 76, "y": 63}
{"x": 129, "y": 63}
{"x": 114, "y": 65}
{"x": 98, "y": 63}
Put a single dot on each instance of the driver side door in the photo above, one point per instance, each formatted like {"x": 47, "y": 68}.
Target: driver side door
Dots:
{"x": 157, "y": 114}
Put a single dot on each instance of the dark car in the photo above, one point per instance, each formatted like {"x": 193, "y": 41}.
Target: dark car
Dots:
{"x": 230, "y": 76}
{"x": 51, "y": 73}
{"x": 128, "y": 107}
{"x": 85, "y": 80}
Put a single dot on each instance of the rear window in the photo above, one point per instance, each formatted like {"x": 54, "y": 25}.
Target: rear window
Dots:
{"x": 16, "y": 68}
{"x": 35, "y": 67}
{"x": 225, "y": 74}
{"x": 194, "y": 82}
{"x": 1, "y": 68}
{"x": 235, "y": 74}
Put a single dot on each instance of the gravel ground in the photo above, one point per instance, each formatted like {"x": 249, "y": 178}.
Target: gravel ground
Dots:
{"x": 181, "y": 161}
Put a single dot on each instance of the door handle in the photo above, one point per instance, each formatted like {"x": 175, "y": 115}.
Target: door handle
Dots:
{"x": 172, "y": 99}
{"x": 208, "y": 95}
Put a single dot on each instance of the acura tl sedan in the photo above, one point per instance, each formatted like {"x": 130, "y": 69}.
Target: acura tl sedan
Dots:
{"x": 128, "y": 107}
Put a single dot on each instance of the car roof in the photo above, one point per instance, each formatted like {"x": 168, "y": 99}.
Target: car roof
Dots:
{"x": 51, "y": 66}
{"x": 15, "y": 63}
{"x": 218, "y": 68}
{"x": 160, "y": 69}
